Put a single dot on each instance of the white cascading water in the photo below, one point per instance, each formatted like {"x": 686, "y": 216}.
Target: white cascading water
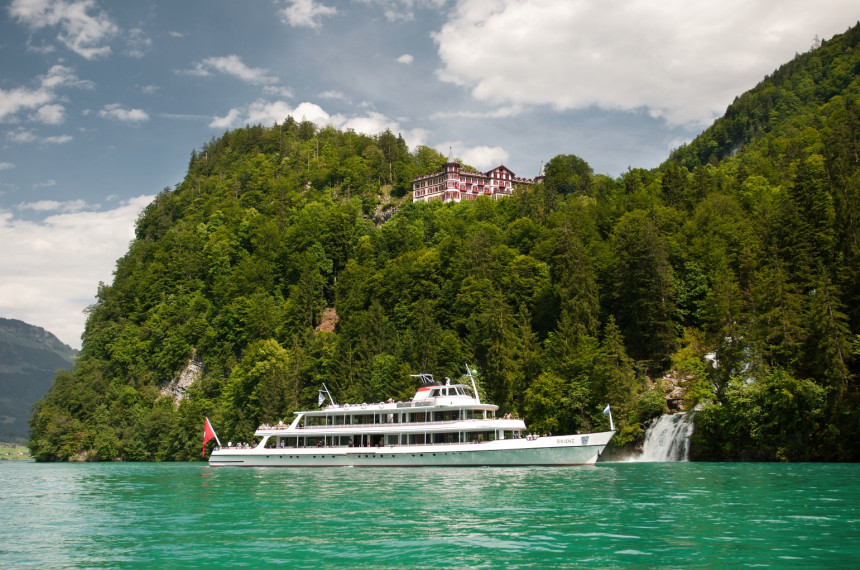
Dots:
{"x": 668, "y": 439}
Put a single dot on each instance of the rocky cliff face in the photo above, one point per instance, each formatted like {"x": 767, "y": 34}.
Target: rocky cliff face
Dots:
{"x": 178, "y": 387}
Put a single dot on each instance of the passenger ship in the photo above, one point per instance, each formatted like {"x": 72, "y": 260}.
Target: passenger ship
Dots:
{"x": 443, "y": 425}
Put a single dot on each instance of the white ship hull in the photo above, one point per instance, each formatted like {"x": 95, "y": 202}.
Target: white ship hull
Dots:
{"x": 580, "y": 449}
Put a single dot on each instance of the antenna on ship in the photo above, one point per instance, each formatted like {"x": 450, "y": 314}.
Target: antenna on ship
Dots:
{"x": 322, "y": 394}
{"x": 426, "y": 379}
{"x": 474, "y": 388}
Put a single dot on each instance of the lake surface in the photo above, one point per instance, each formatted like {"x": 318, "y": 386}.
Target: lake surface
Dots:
{"x": 613, "y": 514}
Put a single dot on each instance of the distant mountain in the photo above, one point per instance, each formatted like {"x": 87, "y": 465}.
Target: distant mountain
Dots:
{"x": 29, "y": 359}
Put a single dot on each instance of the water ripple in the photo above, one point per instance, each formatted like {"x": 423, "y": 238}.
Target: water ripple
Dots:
{"x": 108, "y": 515}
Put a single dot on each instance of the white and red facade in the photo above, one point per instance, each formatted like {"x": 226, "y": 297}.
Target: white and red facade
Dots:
{"x": 454, "y": 185}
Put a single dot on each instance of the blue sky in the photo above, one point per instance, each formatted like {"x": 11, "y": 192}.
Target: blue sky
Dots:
{"x": 101, "y": 103}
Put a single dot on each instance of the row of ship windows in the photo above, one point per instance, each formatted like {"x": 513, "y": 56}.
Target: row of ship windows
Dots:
{"x": 393, "y": 418}
{"x": 388, "y": 440}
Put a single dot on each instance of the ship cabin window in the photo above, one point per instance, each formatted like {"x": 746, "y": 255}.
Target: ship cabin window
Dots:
{"x": 418, "y": 417}
{"x": 446, "y": 416}
{"x": 315, "y": 421}
{"x": 475, "y": 414}
{"x": 417, "y": 439}
{"x": 482, "y": 436}
{"x": 446, "y": 438}
{"x": 362, "y": 419}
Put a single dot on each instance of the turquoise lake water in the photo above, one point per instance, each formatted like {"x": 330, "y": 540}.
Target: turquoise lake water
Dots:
{"x": 613, "y": 514}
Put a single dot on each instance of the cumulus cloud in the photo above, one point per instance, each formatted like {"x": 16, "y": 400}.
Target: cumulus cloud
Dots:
{"x": 682, "y": 63}
{"x": 83, "y": 28}
{"x": 116, "y": 112}
{"x": 51, "y": 268}
{"x": 305, "y": 13}
{"x": 19, "y": 99}
{"x": 22, "y": 135}
{"x": 50, "y": 114}
{"x": 268, "y": 113}
{"x": 405, "y": 58}
{"x": 481, "y": 157}
{"x": 231, "y": 65}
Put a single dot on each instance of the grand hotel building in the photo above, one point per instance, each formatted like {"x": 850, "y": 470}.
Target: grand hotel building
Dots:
{"x": 452, "y": 185}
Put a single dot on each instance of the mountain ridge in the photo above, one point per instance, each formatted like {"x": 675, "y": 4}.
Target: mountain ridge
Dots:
{"x": 29, "y": 359}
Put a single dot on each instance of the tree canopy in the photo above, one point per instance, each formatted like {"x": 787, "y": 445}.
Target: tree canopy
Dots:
{"x": 734, "y": 266}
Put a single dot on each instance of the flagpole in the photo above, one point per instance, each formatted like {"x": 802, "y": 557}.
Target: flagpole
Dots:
{"x": 218, "y": 441}
{"x": 606, "y": 411}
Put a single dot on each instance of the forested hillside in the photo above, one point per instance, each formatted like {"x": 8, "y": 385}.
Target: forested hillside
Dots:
{"x": 734, "y": 269}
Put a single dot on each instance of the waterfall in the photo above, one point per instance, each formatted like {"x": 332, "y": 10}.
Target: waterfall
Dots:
{"x": 667, "y": 439}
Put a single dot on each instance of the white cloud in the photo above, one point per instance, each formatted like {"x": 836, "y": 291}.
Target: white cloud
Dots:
{"x": 50, "y": 114}
{"x": 51, "y": 268}
{"x": 21, "y": 98}
{"x": 6, "y": 166}
{"x": 59, "y": 139}
{"x": 269, "y": 113}
{"x": 481, "y": 157}
{"x": 116, "y": 112}
{"x": 137, "y": 43}
{"x": 334, "y": 95}
{"x": 305, "y": 13}
{"x": 405, "y": 58}
{"x": 684, "y": 63}
{"x": 22, "y": 135}
{"x": 404, "y": 10}
{"x": 231, "y": 65}
{"x": 370, "y": 124}
{"x": 277, "y": 91}
{"x": 80, "y": 30}
{"x": 62, "y": 76}
{"x": 54, "y": 205}
{"x": 498, "y": 113}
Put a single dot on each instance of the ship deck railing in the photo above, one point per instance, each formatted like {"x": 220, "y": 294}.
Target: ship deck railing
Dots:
{"x": 375, "y": 425}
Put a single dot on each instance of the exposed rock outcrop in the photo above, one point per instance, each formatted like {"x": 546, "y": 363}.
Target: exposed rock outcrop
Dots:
{"x": 179, "y": 385}
{"x": 674, "y": 387}
{"x": 329, "y": 320}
